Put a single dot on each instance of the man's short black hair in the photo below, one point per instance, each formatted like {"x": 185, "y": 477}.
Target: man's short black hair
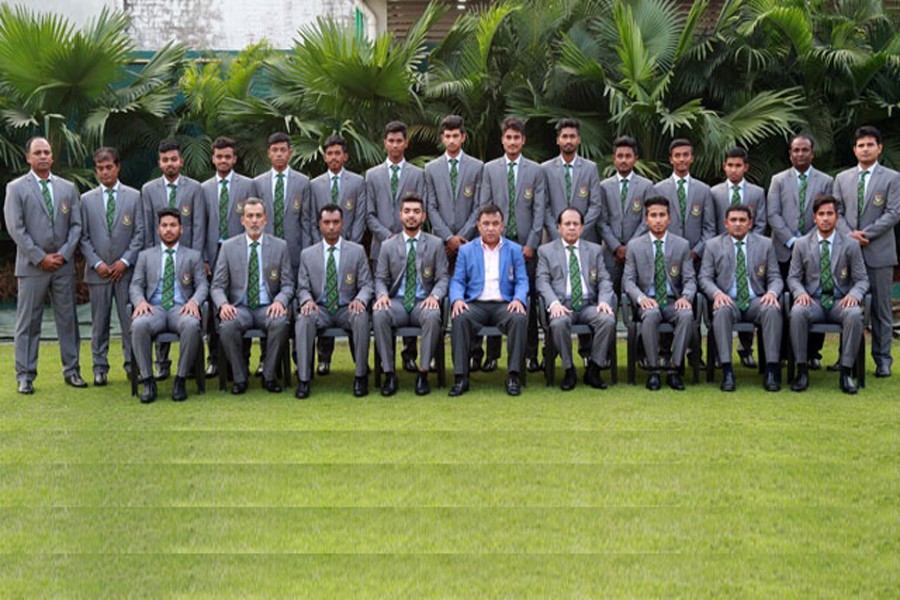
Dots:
{"x": 567, "y": 209}
{"x": 489, "y": 209}
{"x": 739, "y": 208}
{"x": 568, "y": 123}
{"x": 738, "y": 152}
{"x": 105, "y": 153}
{"x": 822, "y": 201}
{"x": 335, "y": 140}
{"x": 168, "y": 212}
{"x": 803, "y": 135}
{"x": 656, "y": 201}
{"x": 626, "y": 141}
{"x": 279, "y": 137}
{"x": 867, "y": 131}
{"x": 413, "y": 197}
{"x": 680, "y": 142}
{"x": 514, "y": 123}
{"x": 396, "y": 127}
{"x": 32, "y": 140}
{"x": 223, "y": 142}
{"x": 331, "y": 208}
{"x": 452, "y": 123}
{"x": 168, "y": 146}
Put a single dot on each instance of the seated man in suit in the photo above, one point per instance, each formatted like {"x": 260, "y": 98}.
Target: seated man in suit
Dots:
{"x": 673, "y": 270}
{"x": 828, "y": 280}
{"x": 334, "y": 287}
{"x": 252, "y": 288}
{"x": 410, "y": 280}
{"x": 740, "y": 276}
{"x": 489, "y": 287}
{"x": 167, "y": 289}
{"x": 576, "y": 288}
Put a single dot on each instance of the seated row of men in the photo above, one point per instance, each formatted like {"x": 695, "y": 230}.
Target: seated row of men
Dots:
{"x": 113, "y": 222}
{"x": 253, "y": 286}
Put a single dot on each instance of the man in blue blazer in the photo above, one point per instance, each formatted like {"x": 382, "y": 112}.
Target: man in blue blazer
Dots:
{"x": 489, "y": 287}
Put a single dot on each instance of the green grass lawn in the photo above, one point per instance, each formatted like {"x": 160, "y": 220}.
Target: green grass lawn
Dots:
{"x": 585, "y": 494}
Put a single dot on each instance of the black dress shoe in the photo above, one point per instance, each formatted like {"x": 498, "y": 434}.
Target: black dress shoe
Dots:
{"x": 148, "y": 394}
{"x": 360, "y": 386}
{"x": 513, "y": 385}
{"x": 749, "y": 361}
{"x": 653, "y": 382}
{"x": 162, "y": 373}
{"x": 675, "y": 382}
{"x": 410, "y": 366}
{"x": 569, "y": 380}
{"x": 883, "y": 371}
{"x": 389, "y": 388}
{"x": 239, "y": 387}
{"x": 302, "y": 390}
{"x": 259, "y": 370}
{"x": 490, "y": 365}
{"x": 212, "y": 369}
{"x": 25, "y": 387}
{"x": 848, "y": 385}
{"x": 76, "y": 381}
{"x": 460, "y": 387}
{"x": 179, "y": 391}
{"x": 592, "y": 376}
{"x": 432, "y": 366}
{"x": 324, "y": 367}
{"x": 835, "y": 366}
{"x": 533, "y": 365}
{"x": 801, "y": 381}
{"x": 772, "y": 383}
{"x": 422, "y": 387}
{"x": 475, "y": 363}
{"x": 100, "y": 379}
{"x": 728, "y": 382}
{"x": 272, "y": 386}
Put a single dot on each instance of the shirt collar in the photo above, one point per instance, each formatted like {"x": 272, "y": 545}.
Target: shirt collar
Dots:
{"x": 871, "y": 169}
{"x": 458, "y": 156}
{"x": 285, "y": 173}
{"x": 400, "y": 164}
{"x": 167, "y": 183}
{"x": 740, "y": 184}
{"x": 416, "y": 237}
{"x": 337, "y": 244}
{"x": 798, "y": 173}
{"x": 566, "y": 245}
{"x": 339, "y": 174}
{"x": 518, "y": 161}
{"x": 653, "y": 239}
{"x": 115, "y": 188}
{"x": 251, "y": 240}
{"x": 830, "y": 238}
{"x": 676, "y": 178}
{"x": 627, "y": 178}
{"x": 734, "y": 240}
{"x": 563, "y": 162}
{"x": 39, "y": 180}
{"x": 485, "y": 246}
{"x": 227, "y": 178}
{"x": 164, "y": 247}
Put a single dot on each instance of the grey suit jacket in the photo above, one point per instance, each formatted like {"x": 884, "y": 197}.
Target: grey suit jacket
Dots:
{"x": 754, "y": 197}
{"x": 188, "y": 201}
{"x": 382, "y": 211}
{"x": 230, "y": 279}
{"x": 296, "y": 196}
{"x": 847, "y": 267}
{"x": 553, "y": 271}
{"x": 34, "y": 232}
{"x": 431, "y": 266}
{"x": 881, "y": 212}
{"x": 679, "y": 267}
{"x": 700, "y": 212}
{"x": 453, "y": 215}
{"x": 617, "y": 228}
{"x": 531, "y": 200}
{"x": 783, "y": 206}
{"x": 351, "y": 199}
{"x": 190, "y": 275}
{"x": 239, "y": 190}
{"x": 126, "y": 239}
{"x": 354, "y": 276}
{"x": 586, "y": 195}
{"x": 718, "y": 268}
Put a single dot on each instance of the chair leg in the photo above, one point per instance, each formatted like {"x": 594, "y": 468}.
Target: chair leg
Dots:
{"x": 200, "y": 370}
{"x": 134, "y": 375}
{"x": 711, "y": 354}
{"x": 761, "y": 351}
{"x": 861, "y": 362}
{"x": 440, "y": 359}
{"x": 223, "y": 368}
{"x": 695, "y": 359}
{"x": 614, "y": 361}
{"x": 286, "y": 363}
{"x": 631, "y": 374}
{"x": 378, "y": 369}
{"x": 549, "y": 359}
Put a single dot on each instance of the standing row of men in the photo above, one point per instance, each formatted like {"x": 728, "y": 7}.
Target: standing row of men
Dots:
{"x": 113, "y": 222}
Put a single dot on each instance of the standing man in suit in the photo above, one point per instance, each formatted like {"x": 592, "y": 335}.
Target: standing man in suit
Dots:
{"x": 789, "y": 207}
{"x": 576, "y": 288}
{"x": 334, "y": 287}
{"x": 252, "y": 288}
{"x": 452, "y": 187}
{"x": 673, "y": 269}
{"x": 828, "y": 282}
{"x": 517, "y": 185}
{"x": 173, "y": 190}
{"x": 870, "y": 194}
{"x": 44, "y": 220}
{"x": 224, "y": 194}
{"x": 112, "y": 236}
{"x": 410, "y": 281}
{"x": 167, "y": 289}
{"x": 572, "y": 181}
{"x": 345, "y": 189}
{"x": 489, "y": 287}
{"x": 622, "y": 215}
{"x": 739, "y": 275}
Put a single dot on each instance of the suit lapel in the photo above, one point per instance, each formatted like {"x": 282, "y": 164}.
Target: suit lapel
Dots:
{"x": 153, "y": 267}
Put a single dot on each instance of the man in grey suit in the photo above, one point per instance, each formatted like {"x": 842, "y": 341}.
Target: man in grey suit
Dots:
{"x": 410, "y": 281}
{"x": 112, "y": 237}
{"x": 252, "y": 288}
{"x": 740, "y": 276}
{"x": 224, "y": 194}
{"x": 334, "y": 288}
{"x": 737, "y": 190}
{"x": 870, "y": 195}
{"x": 673, "y": 269}
{"x": 44, "y": 220}
{"x": 167, "y": 289}
{"x": 173, "y": 190}
{"x": 622, "y": 215}
{"x": 518, "y": 186}
{"x": 691, "y": 203}
{"x": 347, "y": 190}
{"x": 572, "y": 280}
{"x": 572, "y": 181}
{"x": 828, "y": 282}
{"x": 789, "y": 207}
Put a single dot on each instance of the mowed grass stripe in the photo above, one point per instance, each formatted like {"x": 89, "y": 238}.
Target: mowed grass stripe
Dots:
{"x": 746, "y": 442}
{"x": 546, "y": 485}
